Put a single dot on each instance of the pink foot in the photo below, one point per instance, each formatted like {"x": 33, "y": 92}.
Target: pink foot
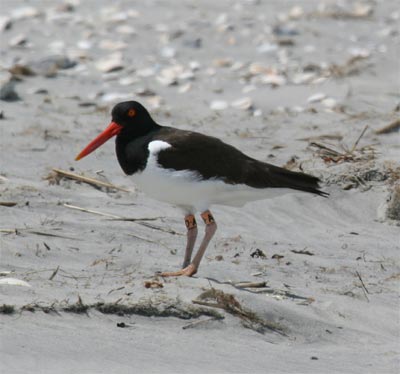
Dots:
{"x": 188, "y": 271}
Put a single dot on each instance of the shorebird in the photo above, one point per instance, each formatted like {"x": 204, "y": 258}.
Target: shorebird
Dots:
{"x": 192, "y": 171}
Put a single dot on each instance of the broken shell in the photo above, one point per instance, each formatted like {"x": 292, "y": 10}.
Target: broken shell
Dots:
{"x": 112, "y": 45}
{"x": 329, "y": 102}
{"x": 303, "y": 78}
{"x": 296, "y": 12}
{"x": 7, "y": 87}
{"x": 244, "y": 103}
{"x": 316, "y": 97}
{"x": 274, "y": 79}
{"x": 218, "y": 105}
{"x": 168, "y": 52}
{"x": 24, "y": 12}
{"x": 146, "y": 72}
{"x": 223, "y": 62}
{"x": 185, "y": 88}
{"x": 14, "y": 282}
{"x": 18, "y": 41}
{"x": 256, "y": 68}
{"x": 5, "y": 23}
{"x": 267, "y": 48}
{"x": 110, "y": 63}
{"x": 125, "y": 29}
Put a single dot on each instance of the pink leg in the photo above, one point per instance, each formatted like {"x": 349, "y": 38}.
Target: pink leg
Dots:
{"x": 191, "y": 269}
{"x": 191, "y": 226}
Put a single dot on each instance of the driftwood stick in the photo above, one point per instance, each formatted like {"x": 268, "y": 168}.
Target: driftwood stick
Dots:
{"x": 88, "y": 180}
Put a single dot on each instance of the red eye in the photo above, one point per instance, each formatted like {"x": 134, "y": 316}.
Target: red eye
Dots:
{"x": 131, "y": 112}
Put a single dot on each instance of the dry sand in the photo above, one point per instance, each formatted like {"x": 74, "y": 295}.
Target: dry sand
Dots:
{"x": 331, "y": 266}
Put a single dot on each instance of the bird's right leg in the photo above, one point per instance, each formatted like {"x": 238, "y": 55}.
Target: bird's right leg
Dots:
{"x": 191, "y": 235}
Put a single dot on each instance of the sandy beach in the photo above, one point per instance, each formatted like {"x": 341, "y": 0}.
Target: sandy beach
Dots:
{"x": 294, "y": 284}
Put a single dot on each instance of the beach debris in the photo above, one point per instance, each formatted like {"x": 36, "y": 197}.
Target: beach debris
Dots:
{"x": 393, "y": 204}
{"x": 391, "y": 127}
{"x": 113, "y": 216}
{"x": 54, "y": 273}
{"x": 153, "y": 284}
{"x": 14, "y": 282}
{"x": 364, "y": 288}
{"x": 266, "y": 48}
{"x": 5, "y": 23}
{"x": 218, "y": 105}
{"x": 258, "y": 253}
{"x": 8, "y": 204}
{"x": 200, "y": 322}
{"x": 346, "y": 154}
{"x": 245, "y": 103}
{"x": 7, "y": 309}
{"x": 218, "y": 299}
{"x": 338, "y": 10}
{"x": 18, "y": 40}
{"x": 7, "y": 87}
{"x": 261, "y": 284}
{"x": 47, "y": 67}
{"x": 57, "y": 174}
{"x": 316, "y": 97}
{"x": 24, "y": 12}
{"x": 302, "y": 252}
{"x": 110, "y": 63}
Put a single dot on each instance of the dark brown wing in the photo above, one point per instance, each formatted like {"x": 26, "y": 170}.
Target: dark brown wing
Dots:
{"x": 213, "y": 159}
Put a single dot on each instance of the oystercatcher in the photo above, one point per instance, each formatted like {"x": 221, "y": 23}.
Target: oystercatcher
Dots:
{"x": 192, "y": 171}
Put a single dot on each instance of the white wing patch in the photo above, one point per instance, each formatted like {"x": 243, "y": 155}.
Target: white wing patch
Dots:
{"x": 158, "y": 145}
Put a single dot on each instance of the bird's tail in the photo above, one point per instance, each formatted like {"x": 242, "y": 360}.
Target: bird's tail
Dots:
{"x": 298, "y": 181}
{"x": 266, "y": 175}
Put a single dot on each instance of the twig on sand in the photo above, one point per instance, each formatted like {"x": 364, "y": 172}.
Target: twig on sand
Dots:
{"x": 90, "y": 211}
{"x": 150, "y": 241}
{"x": 251, "y": 284}
{"x": 358, "y": 139}
{"x": 54, "y": 273}
{"x": 391, "y": 127}
{"x": 92, "y": 181}
{"x": 354, "y": 154}
{"x": 8, "y": 204}
{"x": 363, "y": 285}
{"x": 9, "y": 231}
{"x": 17, "y": 231}
{"x": 196, "y": 323}
{"x": 113, "y": 216}
{"x": 159, "y": 228}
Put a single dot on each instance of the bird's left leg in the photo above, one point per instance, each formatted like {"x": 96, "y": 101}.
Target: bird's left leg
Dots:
{"x": 191, "y": 269}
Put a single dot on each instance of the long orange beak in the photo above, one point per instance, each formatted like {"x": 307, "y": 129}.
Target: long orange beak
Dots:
{"x": 112, "y": 129}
